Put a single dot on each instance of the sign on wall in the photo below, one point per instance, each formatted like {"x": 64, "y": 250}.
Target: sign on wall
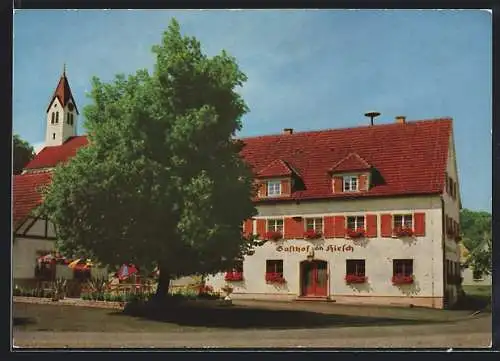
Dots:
{"x": 329, "y": 248}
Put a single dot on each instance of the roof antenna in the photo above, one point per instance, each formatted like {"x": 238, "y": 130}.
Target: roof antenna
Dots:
{"x": 64, "y": 69}
{"x": 372, "y": 115}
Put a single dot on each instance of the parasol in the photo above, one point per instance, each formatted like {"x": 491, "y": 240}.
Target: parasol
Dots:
{"x": 126, "y": 271}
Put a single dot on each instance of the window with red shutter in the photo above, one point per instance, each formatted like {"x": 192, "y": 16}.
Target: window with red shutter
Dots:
{"x": 371, "y": 225}
{"x": 329, "y": 226}
{"x": 340, "y": 227}
{"x": 386, "y": 225}
{"x": 261, "y": 228}
{"x": 338, "y": 184}
{"x": 263, "y": 189}
{"x": 419, "y": 224}
{"x": 285, "y": 187}
{"x": 294, "y": 228}
{"x": 363, "y": 182}
{"x": 248, "y": 227}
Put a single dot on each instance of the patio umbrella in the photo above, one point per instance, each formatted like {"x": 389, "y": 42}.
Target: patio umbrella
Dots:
{"x": 74, "y": 263}
{"x": 126, "y": 271}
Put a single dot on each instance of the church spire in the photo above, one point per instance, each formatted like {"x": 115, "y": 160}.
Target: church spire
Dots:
{"x": 62, "y": 113}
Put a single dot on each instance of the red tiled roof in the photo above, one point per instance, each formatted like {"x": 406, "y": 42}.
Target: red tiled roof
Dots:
{"x": 26, "y": 194}
{"x": 350, "y": 162}
{"x": 411, "y": 157}
{"x": 49, "y": 157}
{"x": 276, "y": 168}
{"x": 63, "y": 93}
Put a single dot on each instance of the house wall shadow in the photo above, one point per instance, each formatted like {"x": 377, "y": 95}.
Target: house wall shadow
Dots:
{"x": 361, "y": 287}
{"x": 412, "y": 289}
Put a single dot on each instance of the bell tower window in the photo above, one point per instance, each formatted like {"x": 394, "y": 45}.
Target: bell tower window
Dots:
{"x": 53, "y": 135}
{"x": 57, "y": 117}
{"x": 67, "y": 118}
{"x": 53, "y": 117}
{"x": 71, "y": 120}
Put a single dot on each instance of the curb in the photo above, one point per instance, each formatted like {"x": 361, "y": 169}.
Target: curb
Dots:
{"x": 70, "y": 302}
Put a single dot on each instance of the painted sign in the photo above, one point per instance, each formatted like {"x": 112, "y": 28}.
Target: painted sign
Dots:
{"x": 329, "y": 248}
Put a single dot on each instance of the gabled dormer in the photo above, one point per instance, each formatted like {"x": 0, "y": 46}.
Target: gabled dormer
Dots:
{"x": 276, "y": 180}
{"x": 351, "y": 174}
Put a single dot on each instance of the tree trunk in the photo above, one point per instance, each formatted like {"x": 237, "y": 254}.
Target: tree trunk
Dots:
{"x": 163, "y": 282}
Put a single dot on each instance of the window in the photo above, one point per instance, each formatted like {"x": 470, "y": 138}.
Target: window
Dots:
{"x": 273, "y": 188}
{"x": 355, "y": 267}
{"x": 275, "y": 225}
{"x": 355, "y": 222}
{"x": 314, "y": 224}
{"x": 53, "y": 135}
{"x": 402, "y": 267}
{"x": 403, "y": 221}
{"x": 53, "y": 117}
{"x": 350, "y": 183}
{"x": 68, "y": 118}
{"x": 274, "y": 266}
{"x": 57, "y": 117}
{"x": 71, "y": 120}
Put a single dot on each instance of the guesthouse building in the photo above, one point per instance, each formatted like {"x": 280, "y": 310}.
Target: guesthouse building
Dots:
{"x": 368, "y": 214}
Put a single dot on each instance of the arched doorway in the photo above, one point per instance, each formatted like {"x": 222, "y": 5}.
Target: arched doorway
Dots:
{"x": 314, "y": 278}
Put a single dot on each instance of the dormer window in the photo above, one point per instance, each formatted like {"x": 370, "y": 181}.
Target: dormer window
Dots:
{"x": 350, "y": 183}
{"x": 273, "y": 188}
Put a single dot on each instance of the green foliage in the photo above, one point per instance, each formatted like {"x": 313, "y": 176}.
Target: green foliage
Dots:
{"x": 23, "y": 152}
{"x": 477, "y": 238}
{"x": 162, "y": 180}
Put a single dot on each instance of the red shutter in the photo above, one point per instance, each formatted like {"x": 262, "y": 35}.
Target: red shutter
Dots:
{"x": 363, "y": 182}
{"x": 337, "y": 184}
{"x": 248, "y": 227}
{"x": 339, "y": 227}
{"x": 294, "y": 228}
{"x": 263, "y": 189}
{"x": 371, "y": 225}
{"x": 285, "y": 187}
{"x": 261, "y": 227}
{"x": 329, "y": 226}
{"x": 419, "y": 224}
{"x": 386, "y": 225}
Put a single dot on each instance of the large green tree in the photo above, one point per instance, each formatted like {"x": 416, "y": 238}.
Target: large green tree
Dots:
{"x": 477, "y": 238}
{"x": 162, "y": 181}
{"x": 23, "y": 152}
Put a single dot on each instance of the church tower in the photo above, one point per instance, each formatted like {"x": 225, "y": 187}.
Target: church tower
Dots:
{"x": 62, "y": 114}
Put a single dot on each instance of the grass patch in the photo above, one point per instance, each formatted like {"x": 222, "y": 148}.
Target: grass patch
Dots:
{"x": 475, "y": 298}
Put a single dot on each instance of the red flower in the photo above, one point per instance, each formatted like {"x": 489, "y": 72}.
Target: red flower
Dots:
{"x": 403, "y": 231}
{"x": 273, "y": 235}
{"x": 312, "y": 234}
{"x": 273, "y": 277}
{"x": 401, "y": 279}
{"x": 356, "y": 233}
{"x": 355, "y": 279}
{"x": 233, "y": 276}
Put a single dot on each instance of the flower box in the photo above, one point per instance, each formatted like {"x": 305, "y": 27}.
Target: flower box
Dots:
{"x": 402, "y": 280}
{"x": 233, "y": 276}
{"x": 273, "y": 235}
{"x": 312, "y": 234}
{"x": 355, "y": 279}
{"x": 403, "y": 232}
{"x": 274, "y": 278}
{"x": 356, "y": 233}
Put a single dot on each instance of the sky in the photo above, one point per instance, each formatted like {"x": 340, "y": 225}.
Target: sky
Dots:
{"x": 307, "y": 69}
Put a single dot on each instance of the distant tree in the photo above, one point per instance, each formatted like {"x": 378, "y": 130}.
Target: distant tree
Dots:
{"x": 476, "y": 235}
{"x": 162, "y": 181}
{"x": 23, "y": 152}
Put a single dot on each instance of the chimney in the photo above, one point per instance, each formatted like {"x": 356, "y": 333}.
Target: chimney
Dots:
{"x": 288, "y": 131}
{"x": 400, "y": 119}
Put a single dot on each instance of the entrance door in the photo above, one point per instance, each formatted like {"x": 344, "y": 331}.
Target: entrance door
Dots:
{"x": 314, "y": 278}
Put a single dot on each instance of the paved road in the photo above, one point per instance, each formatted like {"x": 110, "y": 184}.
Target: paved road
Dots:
{"x": 471, "y": 332}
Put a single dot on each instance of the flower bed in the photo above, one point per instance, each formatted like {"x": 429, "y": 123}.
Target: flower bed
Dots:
{"x": 356, "y": 233}
{"x": 274, "y": 277}
{"x": 233, "y": 276}
{"x": 402, "y": 280}
{"x": 312, "y": 234}
{"x": 403, "y": 232}
{"x": 273, "y": 235}
{"x": 355, "y": 279}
